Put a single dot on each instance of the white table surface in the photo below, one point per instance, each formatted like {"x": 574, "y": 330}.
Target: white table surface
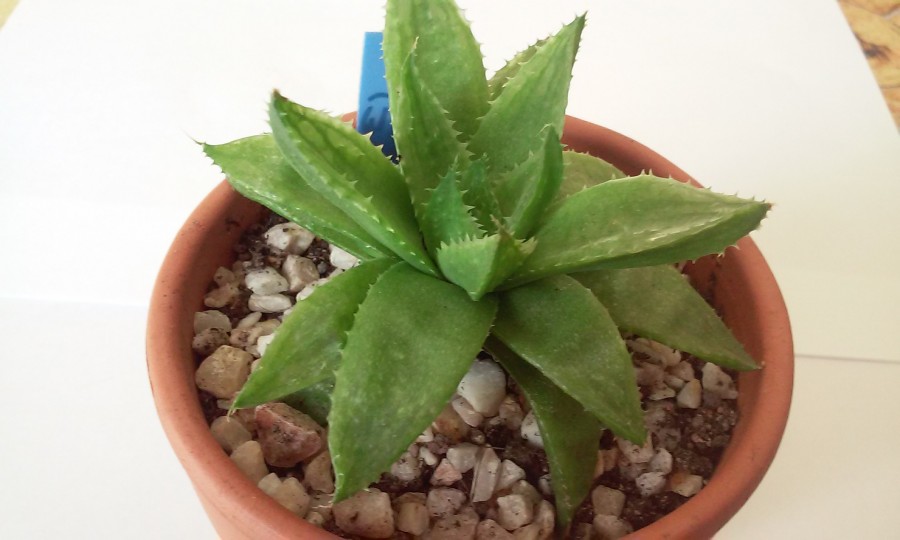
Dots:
{"x": 100, "y": 100}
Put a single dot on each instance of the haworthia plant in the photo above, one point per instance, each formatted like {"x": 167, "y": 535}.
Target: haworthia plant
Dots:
{"x": 488, "y": 234}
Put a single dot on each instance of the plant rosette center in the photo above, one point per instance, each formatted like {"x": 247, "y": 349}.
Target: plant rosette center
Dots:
{"x": 488, "y": 235}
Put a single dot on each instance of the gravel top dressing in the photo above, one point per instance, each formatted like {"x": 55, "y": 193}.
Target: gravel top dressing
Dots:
{"x": 479, "y": 471}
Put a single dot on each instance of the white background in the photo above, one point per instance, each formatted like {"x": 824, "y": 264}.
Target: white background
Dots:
{"x": 100, "y": 101}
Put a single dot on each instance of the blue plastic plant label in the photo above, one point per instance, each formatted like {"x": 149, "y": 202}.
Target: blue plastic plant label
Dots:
{"x": 374, "y": 116}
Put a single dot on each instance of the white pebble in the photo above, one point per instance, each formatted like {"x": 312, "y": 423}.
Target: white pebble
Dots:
{"x": 299, "y": 272}
{"x": 463, "y": 456}
{"x": 690, "y": 396}
{"x": 318, "y": 474}
{"x": 244, "y": 337}
{"x": 269, "y": 303}
{"x": 532, "y": 531}
{"x": 510, "y": 473}
{"x": 648, "y": 374}
{"x": 211, "y": 318}
{"x": 531, "y": 432}
{"x": 484, "y": 480}
{"x": 661, "y": 462}
{"x": 206, "y": 342}
{"x": 224, "y": 276}
{"x": 660, "y": 391}
{"x": 546, "y": 485}
{"x": 407, "y": 468}
{"x": 263, "y": 342}
{"x": 674, "y": 382}
{"x": 450, "y": 424}
{"x": 249, "y": 459}
{"x": 511, "y": 413}
{"x": 545, "y": 519}
{"x": 607, "y": 501}
{"x": 224, "y": 372}
{"x": 426, "y": 437}
{"x": 683, "y": 370}
{"x": 428, "y": 456}
{"x": 247, "y": 322}
{"x": 269, "y": 484}
{"x": 630, "y": 471}
{"x": 513, "y": 511}
{"x": 445, "y": 474}
{"x": 686, "y": 485}
{"x": 656, "y": 351}
{"x": 633, "y": 453}
{"x": 412, "y": 517}
{"x": 306, "y": 292}
{"x": 650, "y": 483}
{"x": 458, "y": 527}
{"x": 717, "y": 382}
{"x": 314, "y": 518}
{"x": 367, "y": 513}
{"x": 221, "y": 296}
{"x": 292, "y": 495}
{"x": 265, "y": 281}
{"x": 466, "y": 412}
{"x": 610, "y": 527}
{"x": 289, "y": 237}
{"x": 229, "y": 433}
{"x": 341, "y": 259}
{"x": 528, "y": 491}
{"x": 444, "y": 501}
{"x": 484, "y": 387}
{"x": 491, "y": 530}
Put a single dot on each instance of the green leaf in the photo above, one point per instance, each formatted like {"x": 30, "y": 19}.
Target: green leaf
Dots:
{"x": 582, "y": 171}
{"x": 448, "y": 57}
{"x": 313, "y": 400}
{"x": 560, "y": 328}
{"x": 525, "y": 192}
{"x": 533, "y": 98}
{"x": 571, "y": 436}
{"x": 413, "y": 339}
{"x": 447, "y": 218}
{"x": 658, "y": 303}
{"x": 257, "y": 170}
{"x": 507, "y": 72}
{"x": 307, "y": 346}
{"x": 479, "y": 194}
{"x": 637, "y": 221}
{"x": 352, "y": 174}
{"x": 425, "y": 138}
{"x": 478, "y": 265}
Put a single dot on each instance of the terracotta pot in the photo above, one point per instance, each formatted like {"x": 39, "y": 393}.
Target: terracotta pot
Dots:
{"x": 741, "y": 285}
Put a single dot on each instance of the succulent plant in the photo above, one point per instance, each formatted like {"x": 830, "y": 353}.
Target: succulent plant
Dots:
{"x": 488, "y": 235}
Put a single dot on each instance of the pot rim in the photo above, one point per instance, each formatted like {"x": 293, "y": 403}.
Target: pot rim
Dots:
{"x": 233, "y": 496}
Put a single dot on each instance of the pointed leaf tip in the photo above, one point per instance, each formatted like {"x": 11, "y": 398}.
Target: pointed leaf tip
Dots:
{"x": 534, "y": 94}
{"x": 658, "y": 303}
{"x": 413, "y": 339}
{"x": 560, "y": 328}
{"x": 256, "y": 168}
{"x": 636, "y": 221}
{"x": 571, "y": 436}
{"x": 451, "y": 60}
{"x": 353, "y": 175}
